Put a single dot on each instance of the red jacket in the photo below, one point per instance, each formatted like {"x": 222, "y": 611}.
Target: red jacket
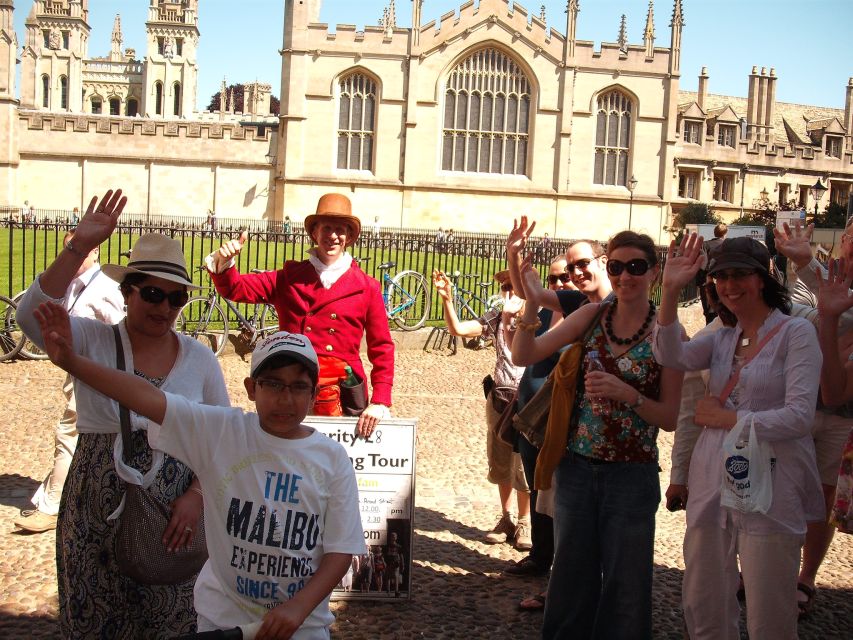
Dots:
{"x": 334, "y": 319}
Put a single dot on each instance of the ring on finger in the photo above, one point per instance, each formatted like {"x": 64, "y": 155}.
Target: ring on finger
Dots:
{"x": 188, "y": 529}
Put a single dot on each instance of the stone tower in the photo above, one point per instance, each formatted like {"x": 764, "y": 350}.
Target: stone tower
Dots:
{"x": 171, "y": 66}
{"x": 57, "y": 41}
{"x": 8, "y": 105}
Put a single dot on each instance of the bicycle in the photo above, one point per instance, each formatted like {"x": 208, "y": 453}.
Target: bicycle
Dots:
{"x": 470, "y": 306}
{"x": 11, "y": 337}
{"x": 28, "y": 350}
{"x": 406, "y": 296}
{"x": 203, "y": 319}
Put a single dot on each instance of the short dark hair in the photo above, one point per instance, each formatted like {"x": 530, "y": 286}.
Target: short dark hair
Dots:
{"x": 132, "y": 280}
{"x": 636, "y": 241}
{"x": 284, "y": 360}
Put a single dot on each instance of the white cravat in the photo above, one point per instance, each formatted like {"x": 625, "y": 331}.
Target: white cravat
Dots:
{"x": 329, "y": 273}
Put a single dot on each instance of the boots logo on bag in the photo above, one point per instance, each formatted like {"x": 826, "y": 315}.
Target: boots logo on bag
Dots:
{"x": 737, "y": 467}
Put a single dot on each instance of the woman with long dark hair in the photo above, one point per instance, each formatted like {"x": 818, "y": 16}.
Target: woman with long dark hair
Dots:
{"x": 770, "y": 363}
{"x": 607, "y": 487}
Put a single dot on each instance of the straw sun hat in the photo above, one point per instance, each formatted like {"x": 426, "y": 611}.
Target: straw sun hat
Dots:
{"x": 154, "y": 255}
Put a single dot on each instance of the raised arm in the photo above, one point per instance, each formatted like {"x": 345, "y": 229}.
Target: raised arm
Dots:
{"x": 516, "y": 241}
{"x": 127, "y": 389}
{"x": 466, "y": 329}
{"x": 682, "y": 265}
{"x": 230, "y": 283}
{"x": 834, "y": 300}
{"x": 527, "y": 349}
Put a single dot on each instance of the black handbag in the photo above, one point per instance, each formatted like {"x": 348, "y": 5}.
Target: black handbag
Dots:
{"x": 139, "y": 550}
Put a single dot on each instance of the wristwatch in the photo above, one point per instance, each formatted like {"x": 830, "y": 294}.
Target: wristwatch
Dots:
{"x": 74, "y": 250}
{"x": 639, "y": 403}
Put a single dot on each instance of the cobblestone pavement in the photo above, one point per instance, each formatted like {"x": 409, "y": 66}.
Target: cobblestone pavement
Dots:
{"x": 458, "y": 589}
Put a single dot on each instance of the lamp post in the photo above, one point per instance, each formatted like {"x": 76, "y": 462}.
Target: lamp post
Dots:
{"x": 632, "y": 184}
{"x": 817, "y": 190}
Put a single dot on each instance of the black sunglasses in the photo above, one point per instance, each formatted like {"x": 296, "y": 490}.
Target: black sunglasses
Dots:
{"x": 155, "y": 295}
{"x": 635, "y": 267}
{"x": 563, "y": 277}
{"x": 580, "y": 264}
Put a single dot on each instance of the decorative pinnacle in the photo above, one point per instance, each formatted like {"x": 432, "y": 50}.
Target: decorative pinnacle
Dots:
{"x": 677, "y": 15}
{"x": 623, "y": 34}
{"x": 650, "y": 22}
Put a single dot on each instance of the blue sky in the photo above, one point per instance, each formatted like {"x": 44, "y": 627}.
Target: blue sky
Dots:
{"x": 240, "y": 39}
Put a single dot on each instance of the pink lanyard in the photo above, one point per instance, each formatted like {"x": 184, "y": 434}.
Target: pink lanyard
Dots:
{"x": 730, "y": 385}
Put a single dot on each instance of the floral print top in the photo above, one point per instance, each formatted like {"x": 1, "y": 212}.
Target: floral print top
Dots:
{"x": 611, "y": 430}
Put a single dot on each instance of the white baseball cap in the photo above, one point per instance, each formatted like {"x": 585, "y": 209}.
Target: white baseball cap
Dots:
{"x": 292, "y": 345}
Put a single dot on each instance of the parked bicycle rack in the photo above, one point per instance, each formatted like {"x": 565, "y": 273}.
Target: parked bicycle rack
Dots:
{"x": 437, "y": 338}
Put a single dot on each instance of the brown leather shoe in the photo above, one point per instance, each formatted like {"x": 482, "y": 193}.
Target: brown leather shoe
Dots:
{"x": 35, "y": 521}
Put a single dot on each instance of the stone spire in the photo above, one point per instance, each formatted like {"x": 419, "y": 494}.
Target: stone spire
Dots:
{"x": 417, "y": 8}
{"x": 622, "y": 39}
{"x": 223, "y": 90}
{"x": 116, "y": 39}
{"x": 649, "y": 33}
{"x": 392, "y": 15}
{"x": 542, "y": 14}
{"x": 677, "y": 25}
{"x": 230, "y": 101}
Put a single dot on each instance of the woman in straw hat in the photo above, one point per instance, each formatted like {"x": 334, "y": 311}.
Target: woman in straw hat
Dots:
{"x": 329, "y": 299}
{"x": 95, "y": 599}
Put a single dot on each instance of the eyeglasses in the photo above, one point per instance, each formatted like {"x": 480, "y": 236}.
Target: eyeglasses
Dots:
{"x": 155, "y": 295}
{"x": 580, "y": 264}
{"x": 635, "y": 267}
{"x": 506, "y": 287}
{"x": 732, "y": 274}
{"x": 563, "y": 277}
{"x": 297, "y": 389}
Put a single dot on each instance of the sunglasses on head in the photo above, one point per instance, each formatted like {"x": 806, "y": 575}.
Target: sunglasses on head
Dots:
{"x": 579, "y": 264}
{"x": 155, "y": 295}
{"x": 563, "y": 277}
{"x": 635, "y": 267}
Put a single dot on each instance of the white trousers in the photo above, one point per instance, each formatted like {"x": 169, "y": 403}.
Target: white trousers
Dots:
{"x": 769, "y": 565}
{"x": 46, "y": 499}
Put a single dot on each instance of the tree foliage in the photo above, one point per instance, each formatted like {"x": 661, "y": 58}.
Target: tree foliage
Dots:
{"x": 834, "y": 216}
{"x": 237, "y": 91}
{"x": 693, "y": 213}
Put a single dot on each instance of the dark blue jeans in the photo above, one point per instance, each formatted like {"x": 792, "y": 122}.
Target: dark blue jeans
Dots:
{"x": 601, "y": 580}
{"x": 541, "y": 525}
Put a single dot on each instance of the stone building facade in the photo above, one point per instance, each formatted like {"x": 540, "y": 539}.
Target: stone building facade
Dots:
{"x": 464, "y": 122}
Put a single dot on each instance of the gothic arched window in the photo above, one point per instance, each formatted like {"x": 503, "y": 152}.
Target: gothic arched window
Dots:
{"x": 63, "y": 92}
{"x": 115, "y": 106}
{"x": 132, "y": 107}
{"x": 158, "y": 98}
{"x": 486, "y": 115}
{"x": 613, "y": 138}
{"x": 97, "y": 105}
{"x": 45, "y": 91}
{"x": 176, "y": 90}
{"x": 356, "y": 122}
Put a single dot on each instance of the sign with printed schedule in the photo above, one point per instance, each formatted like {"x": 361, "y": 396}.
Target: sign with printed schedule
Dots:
{"x": 384, "y": 466}
{"x": 791, "y": 218}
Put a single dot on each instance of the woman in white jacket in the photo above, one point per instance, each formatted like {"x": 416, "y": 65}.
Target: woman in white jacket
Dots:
{"x": 777, "y": 359}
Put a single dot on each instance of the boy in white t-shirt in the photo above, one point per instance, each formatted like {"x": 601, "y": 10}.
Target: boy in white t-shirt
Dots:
{"x": 280, "y": 498}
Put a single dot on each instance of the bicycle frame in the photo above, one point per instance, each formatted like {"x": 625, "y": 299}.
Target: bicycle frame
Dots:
{"x": 389, "y": 285}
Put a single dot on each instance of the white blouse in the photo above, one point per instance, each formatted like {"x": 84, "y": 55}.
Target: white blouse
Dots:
{"x": 779, "y": 387}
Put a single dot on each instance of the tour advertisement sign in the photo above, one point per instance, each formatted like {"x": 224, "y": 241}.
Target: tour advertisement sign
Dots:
{"x": 384, "y": 467}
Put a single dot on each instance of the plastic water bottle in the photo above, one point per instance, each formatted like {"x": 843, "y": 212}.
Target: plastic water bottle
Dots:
{"x": 599, "y": 406}
{"x": 351, "y": 379}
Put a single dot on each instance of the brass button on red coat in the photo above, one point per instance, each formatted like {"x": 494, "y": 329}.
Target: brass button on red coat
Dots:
{"x": 329, "y": 347}
{"x": 307, "y": 329}
{"x": 334, "y": 316}
{"x": 331, "y": 330}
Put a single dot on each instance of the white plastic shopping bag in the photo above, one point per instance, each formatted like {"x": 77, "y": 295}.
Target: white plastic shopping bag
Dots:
{"x": 747, "y": 469}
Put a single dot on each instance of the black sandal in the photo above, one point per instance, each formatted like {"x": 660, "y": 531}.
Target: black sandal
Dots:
{"x": 805, "y": 606}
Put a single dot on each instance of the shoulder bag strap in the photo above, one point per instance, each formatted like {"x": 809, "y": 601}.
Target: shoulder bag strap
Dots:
{"x": 730, "y": 385}
{"x": 124, "y": 414}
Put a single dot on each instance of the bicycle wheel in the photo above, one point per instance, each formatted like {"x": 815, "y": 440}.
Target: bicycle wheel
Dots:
{"x": 11, "y": 337}
{"x": 204, "y": 321}
{"x": 408, "y": 300}
{"x": 29, "y": 350}
{"x": 267, "y": 321}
